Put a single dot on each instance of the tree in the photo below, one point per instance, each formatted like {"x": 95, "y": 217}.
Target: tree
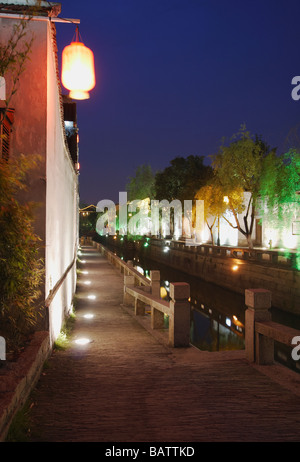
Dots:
{"x": 279, "y": 187}
{"x": 21, "y": 269}
{"x": 214, "y": 205}
{"x": 87, "y": 219}
{"x": 14, "y": 54}
{"x": 142, "y": 185}
{"x": 182, "y": 179}
{"x": 238, "y": 168}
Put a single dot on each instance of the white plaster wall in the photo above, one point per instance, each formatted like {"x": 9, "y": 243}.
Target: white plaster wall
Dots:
{"x": 29, "y": 102}
{"x": 61, "y": 205}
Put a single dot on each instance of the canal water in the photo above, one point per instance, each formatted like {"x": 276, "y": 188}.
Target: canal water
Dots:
{"x": 217, "y": 314}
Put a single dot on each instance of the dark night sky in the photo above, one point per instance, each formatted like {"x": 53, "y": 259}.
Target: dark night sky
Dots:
{"x": 176, "y": 76}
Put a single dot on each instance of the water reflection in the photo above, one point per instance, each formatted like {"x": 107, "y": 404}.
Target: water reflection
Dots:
{"x": 212, "y": 334}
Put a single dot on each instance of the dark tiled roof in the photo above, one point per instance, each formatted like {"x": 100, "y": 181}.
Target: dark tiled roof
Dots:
{"x": 22, "y": 7}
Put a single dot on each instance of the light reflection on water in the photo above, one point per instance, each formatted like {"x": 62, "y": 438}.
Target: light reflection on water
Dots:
{"x": 213, "y": 327}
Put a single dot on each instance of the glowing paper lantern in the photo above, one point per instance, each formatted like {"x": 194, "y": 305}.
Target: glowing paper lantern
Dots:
{"x": 78, "y": 71}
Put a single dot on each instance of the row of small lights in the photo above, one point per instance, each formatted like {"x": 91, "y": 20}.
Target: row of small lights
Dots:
{"x": 166, "y": 248}
{"x": 83, "y": 340}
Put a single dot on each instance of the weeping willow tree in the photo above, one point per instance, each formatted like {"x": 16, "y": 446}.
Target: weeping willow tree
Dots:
{"x": 280, "y": 187}
{"x": 280, "y": 194}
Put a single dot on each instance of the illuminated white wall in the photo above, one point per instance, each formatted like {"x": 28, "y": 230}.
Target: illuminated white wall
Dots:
{"x": 228, "y": 235}
{"x": 284, "y": 234}
{"x": 61, "y": 203}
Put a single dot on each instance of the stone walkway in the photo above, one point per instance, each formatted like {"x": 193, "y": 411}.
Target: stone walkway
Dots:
{"x": 127, "y": 385}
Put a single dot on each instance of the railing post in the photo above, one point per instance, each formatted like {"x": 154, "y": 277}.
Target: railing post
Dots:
{"x": 179, "y": 319}
{"x": 129, "y": 263}
{"x": 155, "y": 283}
{"x": 258, "y": 348}
{"x": 157, "y": 318}
{"x": 139, "y": 307}
{"x": 128, "y": 281}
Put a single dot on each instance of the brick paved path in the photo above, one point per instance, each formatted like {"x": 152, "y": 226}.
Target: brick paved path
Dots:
{"x": 126, "y": 386}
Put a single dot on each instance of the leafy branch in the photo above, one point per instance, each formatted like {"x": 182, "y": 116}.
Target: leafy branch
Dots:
{"x": 21, "y": 268}
{"x": 15, "y": 53}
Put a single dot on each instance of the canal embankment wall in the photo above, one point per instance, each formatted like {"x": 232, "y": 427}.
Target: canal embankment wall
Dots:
{"x": 233, "y": 268}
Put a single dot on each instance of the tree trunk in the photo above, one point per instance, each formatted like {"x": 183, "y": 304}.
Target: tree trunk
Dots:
{"x": 212, "y": 236}
{"x": 249, "y": 240}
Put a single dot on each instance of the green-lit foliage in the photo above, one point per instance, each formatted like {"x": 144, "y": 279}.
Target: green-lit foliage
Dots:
{"x": 63, "y": 340}
{"x": 280, "y": 194}
{"x": 141, "y": 186}
{"x": 279, "y": 185}
{"x": 21, "y": 269}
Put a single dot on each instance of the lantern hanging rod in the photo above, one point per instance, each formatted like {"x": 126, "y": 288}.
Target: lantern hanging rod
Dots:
{"x": 39, "y": 18}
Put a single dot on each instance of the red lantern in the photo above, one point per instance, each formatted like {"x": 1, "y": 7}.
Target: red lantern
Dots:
{"x": 78, "y": 72}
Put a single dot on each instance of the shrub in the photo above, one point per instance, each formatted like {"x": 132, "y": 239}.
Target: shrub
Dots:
{"x": 21, "y": 268}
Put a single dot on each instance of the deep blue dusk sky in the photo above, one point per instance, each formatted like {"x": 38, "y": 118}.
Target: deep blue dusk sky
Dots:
{"x": 176, "y": 76}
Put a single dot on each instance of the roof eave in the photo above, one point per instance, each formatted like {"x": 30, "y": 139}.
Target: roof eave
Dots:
{"x": 49, "y": 9}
